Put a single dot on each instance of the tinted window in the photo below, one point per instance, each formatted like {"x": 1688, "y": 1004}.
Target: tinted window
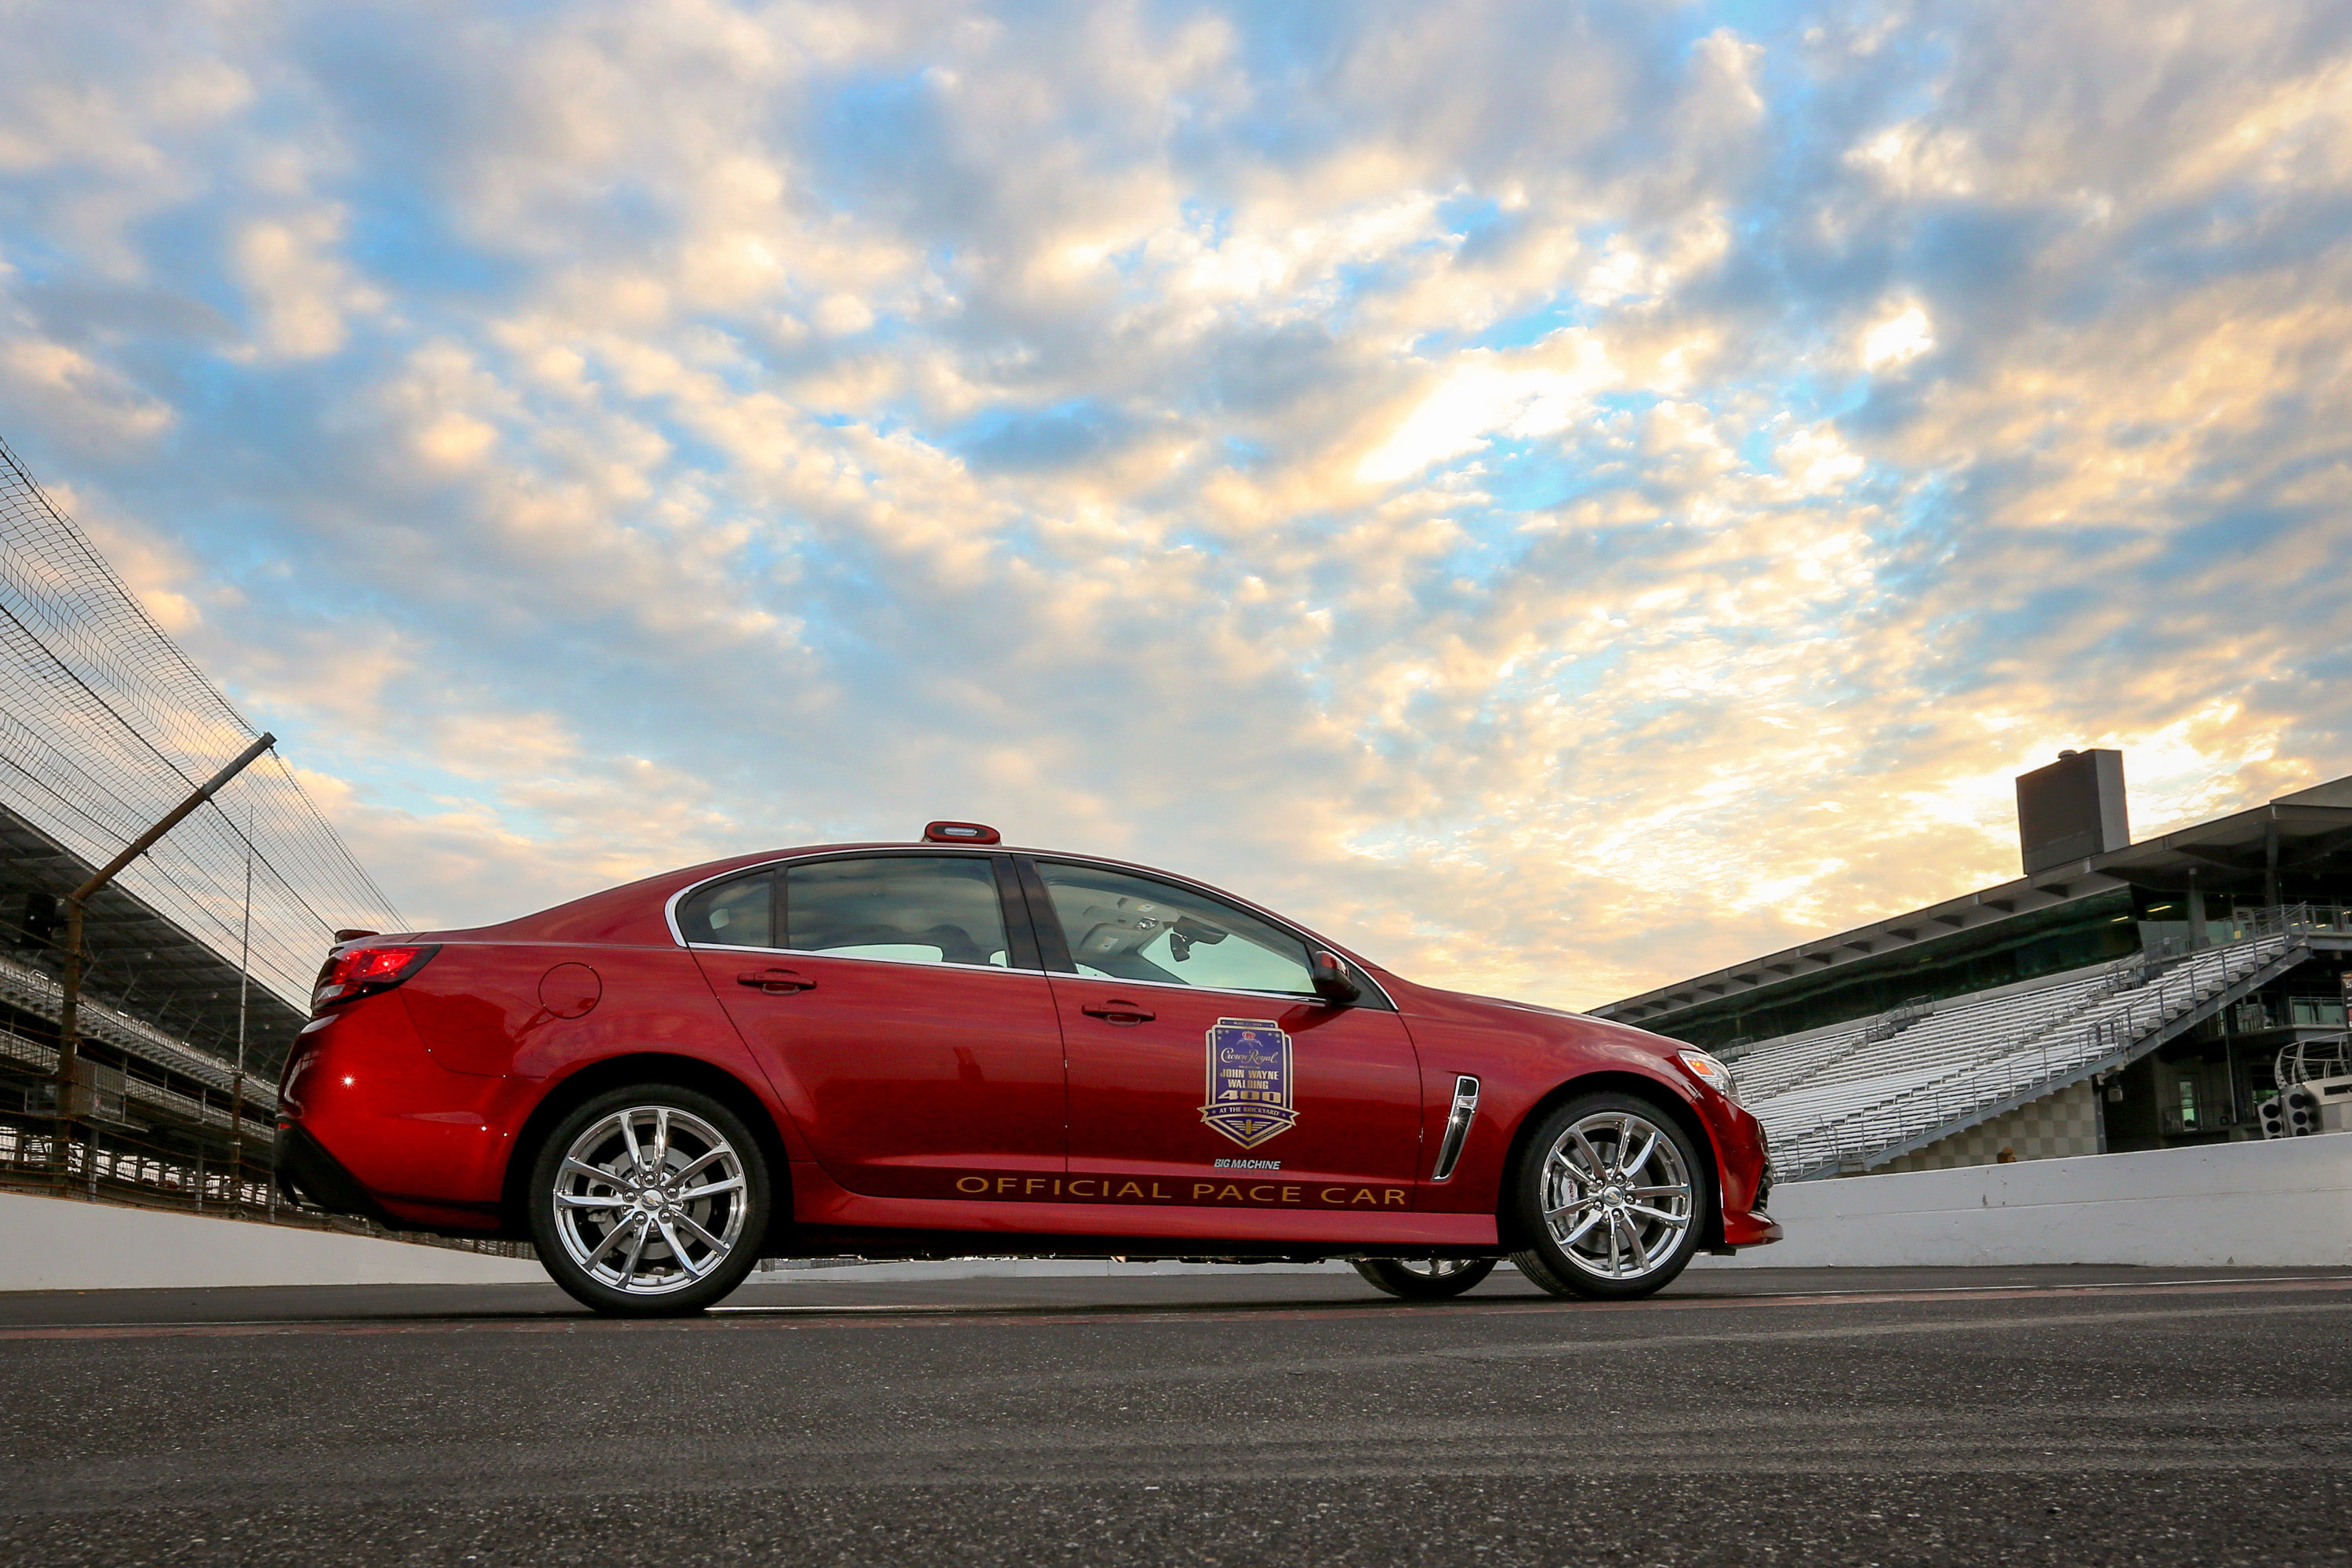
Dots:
{"x": 935, "y": 909}
{"x": 739, "y": 913}
{"x": 1133, "y": 927}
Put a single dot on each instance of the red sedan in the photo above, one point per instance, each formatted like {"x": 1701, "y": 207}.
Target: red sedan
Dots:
{"x": 952, "y": 1047}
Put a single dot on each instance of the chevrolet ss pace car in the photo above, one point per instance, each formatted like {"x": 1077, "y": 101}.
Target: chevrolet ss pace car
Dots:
{"x": 951, "y": 1047}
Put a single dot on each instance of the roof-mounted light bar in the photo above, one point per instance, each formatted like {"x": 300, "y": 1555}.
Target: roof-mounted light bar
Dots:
{"x": 961, "y": 833}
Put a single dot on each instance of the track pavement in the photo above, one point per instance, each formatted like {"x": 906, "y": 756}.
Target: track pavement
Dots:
{"x": 1774, "y": 1417}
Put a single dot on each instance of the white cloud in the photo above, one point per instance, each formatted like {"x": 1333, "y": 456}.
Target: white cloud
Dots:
{"x": 1410, "y": 465}
{"x": 1483, "y": 395}
{"x": 299, "y": 288}
{"x": 1905, "y": 335}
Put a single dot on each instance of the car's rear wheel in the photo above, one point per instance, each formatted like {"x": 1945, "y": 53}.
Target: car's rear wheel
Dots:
{"x": 1425, "y": 1278}
{"x": 649, "y": 1201}
{"x": 1613, "y": 1197}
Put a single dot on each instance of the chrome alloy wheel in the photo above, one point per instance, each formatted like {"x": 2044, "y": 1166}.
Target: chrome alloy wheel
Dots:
{"x": 1437, "y": 1269}
{"x": 1617, "y": 1195}
{"x": 649, "y": 1200}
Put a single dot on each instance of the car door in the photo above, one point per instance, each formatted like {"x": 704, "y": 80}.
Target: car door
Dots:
{"x": 1202, "y": 1069}
{"x": 898, "y": 1009}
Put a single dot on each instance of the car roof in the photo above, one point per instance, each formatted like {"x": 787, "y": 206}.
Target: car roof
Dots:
{"x": 637, "y": 913}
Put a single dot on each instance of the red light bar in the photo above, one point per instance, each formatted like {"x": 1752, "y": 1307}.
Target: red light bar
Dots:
{"x": 961, "y": 833}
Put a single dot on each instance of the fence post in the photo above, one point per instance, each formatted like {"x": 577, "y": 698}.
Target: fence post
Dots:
{"x": 69, "y": 967}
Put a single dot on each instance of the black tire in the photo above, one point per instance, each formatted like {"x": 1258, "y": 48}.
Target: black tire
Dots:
{"x": 639, "y": 1273}
{"x": 1425, "y": 1278}
{"x": 1556, "y": 1176}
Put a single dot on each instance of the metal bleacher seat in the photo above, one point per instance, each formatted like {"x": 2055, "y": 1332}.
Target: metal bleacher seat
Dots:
{"x": 1851, "y": 1093}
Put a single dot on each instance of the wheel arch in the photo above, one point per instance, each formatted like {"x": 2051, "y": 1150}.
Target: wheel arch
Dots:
{"x": 1506, "y": 1225}
{"x": 646, "y": 1066}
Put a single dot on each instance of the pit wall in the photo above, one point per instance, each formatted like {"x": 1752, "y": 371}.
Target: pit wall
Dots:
{"x": 2287, "y": 1203}
{"x": 2283, "y": 1204}
{"x": 65, "y": 1244}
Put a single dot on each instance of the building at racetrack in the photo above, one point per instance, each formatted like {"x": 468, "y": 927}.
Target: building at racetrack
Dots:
{"x": 2119, "y": 995}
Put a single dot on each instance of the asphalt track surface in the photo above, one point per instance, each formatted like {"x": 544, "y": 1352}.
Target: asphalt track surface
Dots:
{"x": 1871, "y": 1416}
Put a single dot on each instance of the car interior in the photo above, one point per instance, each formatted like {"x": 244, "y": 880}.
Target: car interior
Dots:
{"x": 1127, "y": 928}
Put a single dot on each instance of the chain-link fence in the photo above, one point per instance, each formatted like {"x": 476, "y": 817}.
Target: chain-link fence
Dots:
{"x": 105, "y": 725}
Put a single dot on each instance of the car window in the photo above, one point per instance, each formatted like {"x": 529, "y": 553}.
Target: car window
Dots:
{"x": 1123, "y": 927}
{"x": 738, "y": 913}
{"x": 932, "y": 909}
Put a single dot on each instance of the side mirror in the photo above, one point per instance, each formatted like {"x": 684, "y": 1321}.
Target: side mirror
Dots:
{"x": 1331, "y": 978}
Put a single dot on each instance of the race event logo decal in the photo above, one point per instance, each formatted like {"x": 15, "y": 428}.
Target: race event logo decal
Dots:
{"x": 1249, "y": 1081}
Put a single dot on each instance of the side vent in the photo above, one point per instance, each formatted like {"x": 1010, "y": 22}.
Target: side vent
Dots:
{"x": 1457, "y": 1127}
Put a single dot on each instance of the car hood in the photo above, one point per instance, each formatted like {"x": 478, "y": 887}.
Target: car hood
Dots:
{"x": 1517, "y": 1006}
{"x": 1579, "y": 1024}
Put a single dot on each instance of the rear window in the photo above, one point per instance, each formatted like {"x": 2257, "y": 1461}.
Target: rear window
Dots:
{"x": 736, "y": 914}
{"x": 930, "y": 908}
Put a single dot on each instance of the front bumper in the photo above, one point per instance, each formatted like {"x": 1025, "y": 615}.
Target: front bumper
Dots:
{"x": 1746, "y": 1227}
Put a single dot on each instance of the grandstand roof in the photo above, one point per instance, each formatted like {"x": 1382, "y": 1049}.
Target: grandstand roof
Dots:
{"x": 139, "y": 961}
{"x": 2302, "y": 834}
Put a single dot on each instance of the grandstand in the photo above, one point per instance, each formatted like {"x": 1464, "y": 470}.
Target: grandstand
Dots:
{"x": 2120, "y": 995}
{"x": 198, "y": 958}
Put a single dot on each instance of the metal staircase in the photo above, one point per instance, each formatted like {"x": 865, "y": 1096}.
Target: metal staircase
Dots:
{"x": 1856, "y": 1095}
{"x": 2105, "y": 1024}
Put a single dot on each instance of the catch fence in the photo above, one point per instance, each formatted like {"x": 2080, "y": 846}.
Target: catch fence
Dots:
{"x": 105, "y": 724}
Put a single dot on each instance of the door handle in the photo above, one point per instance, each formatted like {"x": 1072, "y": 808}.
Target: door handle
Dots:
{"x": 1118, "y": 1012}
{"x": 775, "y": 982}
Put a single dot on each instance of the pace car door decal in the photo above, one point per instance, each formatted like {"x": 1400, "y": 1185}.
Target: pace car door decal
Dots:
{"x": 1249, "y": 1081}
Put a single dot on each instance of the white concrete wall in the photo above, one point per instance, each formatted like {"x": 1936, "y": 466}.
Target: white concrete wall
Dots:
{"x": 2287, "y": 1203}
{"x": 2281, "y": 1204}
{"x": 64, "y": 1244}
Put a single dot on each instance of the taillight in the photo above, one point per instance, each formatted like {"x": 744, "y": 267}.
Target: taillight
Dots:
{"x": 359, "y": 970}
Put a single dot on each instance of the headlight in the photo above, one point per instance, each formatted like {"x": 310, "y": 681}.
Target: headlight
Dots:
{"x": 1711, "y": 1072}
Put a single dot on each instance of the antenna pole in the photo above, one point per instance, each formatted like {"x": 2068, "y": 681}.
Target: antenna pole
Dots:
{"x": 244, "y": 984}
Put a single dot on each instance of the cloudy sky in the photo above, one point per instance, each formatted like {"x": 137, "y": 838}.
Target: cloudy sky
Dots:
{"x": 1562, "y": 495}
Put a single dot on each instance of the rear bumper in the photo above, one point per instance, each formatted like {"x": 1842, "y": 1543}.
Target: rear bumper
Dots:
{"x": 372, "y": 1125}
{"x": 307, "y": 1173}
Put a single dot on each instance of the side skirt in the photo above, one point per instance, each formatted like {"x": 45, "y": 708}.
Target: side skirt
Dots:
{"x": 897, "y": 1246}
{"x": 1096, "y": 1229}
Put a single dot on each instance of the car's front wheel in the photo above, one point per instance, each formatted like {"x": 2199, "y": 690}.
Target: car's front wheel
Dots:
{"x": 1425, "y": 1278}
{"x": 649, "y": 1201}
{"x": 1612, "y": 1199}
